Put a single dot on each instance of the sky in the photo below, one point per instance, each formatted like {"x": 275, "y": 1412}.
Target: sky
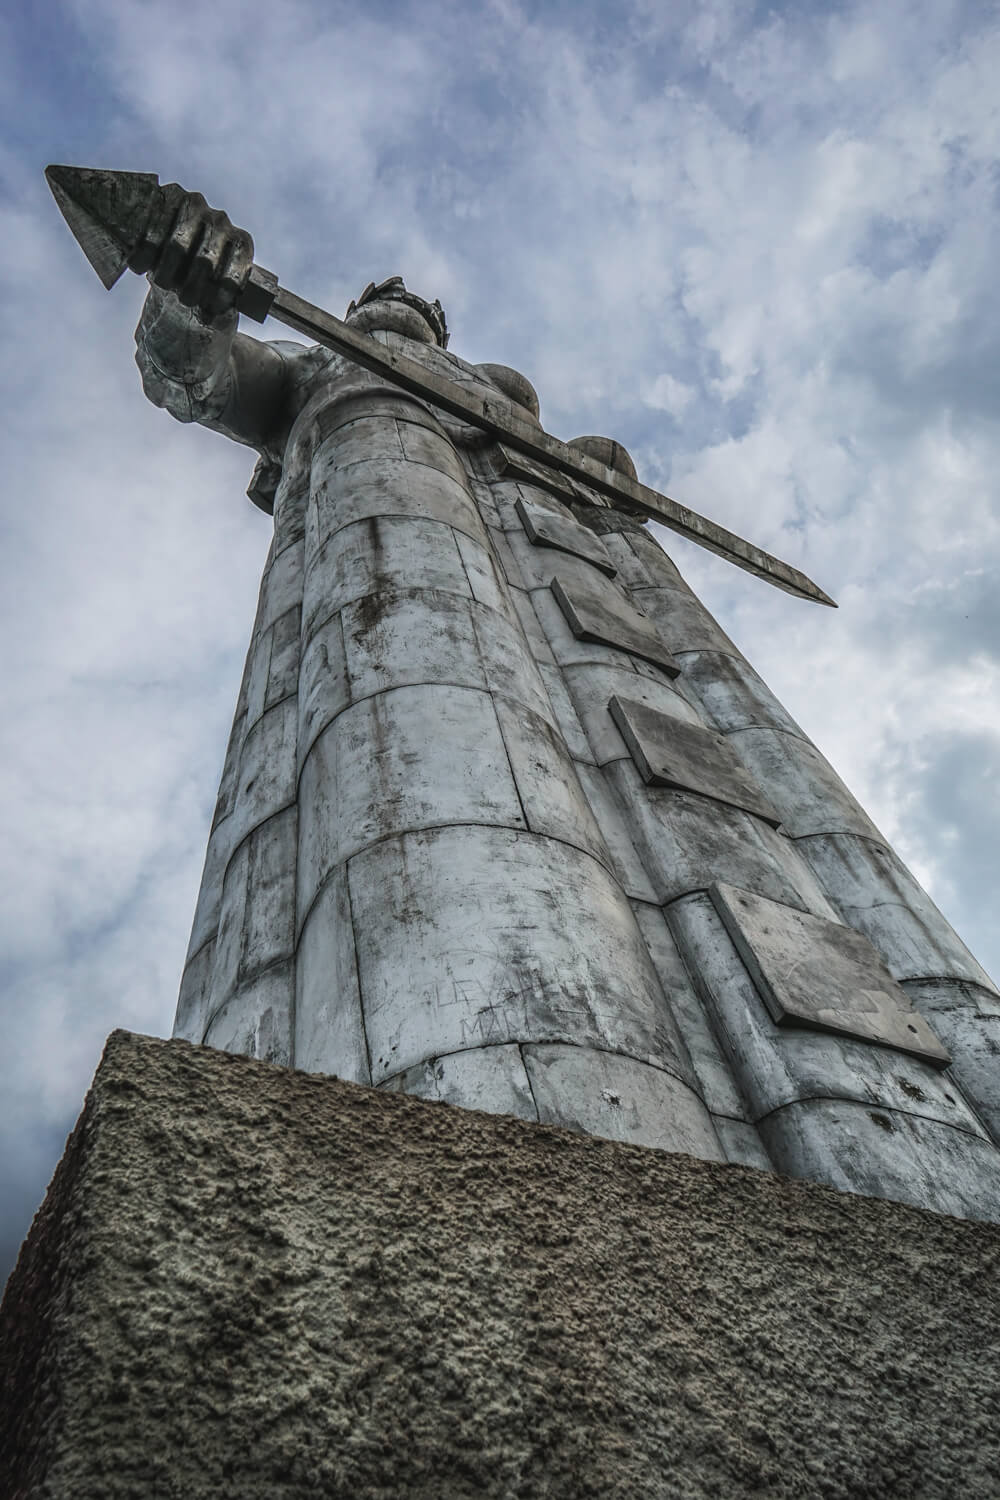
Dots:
{"x": 757, "y": 245}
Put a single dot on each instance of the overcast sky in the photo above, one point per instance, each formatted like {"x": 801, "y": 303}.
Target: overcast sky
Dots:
{"x": 758, "y": 245}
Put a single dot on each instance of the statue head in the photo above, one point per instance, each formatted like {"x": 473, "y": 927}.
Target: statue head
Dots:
{"x": 390, "y": 306}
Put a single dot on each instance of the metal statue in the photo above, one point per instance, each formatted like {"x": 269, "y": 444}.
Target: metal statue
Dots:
{"x": 506, "y": 819}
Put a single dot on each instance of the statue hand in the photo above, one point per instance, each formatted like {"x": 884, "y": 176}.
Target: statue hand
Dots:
{"x": 204, "y": 259}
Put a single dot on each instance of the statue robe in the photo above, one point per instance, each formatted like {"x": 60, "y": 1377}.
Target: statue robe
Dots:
{"x": 507, "y": 820}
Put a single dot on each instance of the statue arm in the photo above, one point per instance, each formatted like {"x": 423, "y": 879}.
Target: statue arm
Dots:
{"x": 200, "y": 369}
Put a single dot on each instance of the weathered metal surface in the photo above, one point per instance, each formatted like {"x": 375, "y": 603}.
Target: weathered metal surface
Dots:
{"x": 324, "y": 689}
{"x": 416, "y": 636}
{"x": 669, "y": 752}
{"x": 874, "y": 891}
{"x": 625, "y": 862}
{"x": 967, "y": 1019}
{"x": 266, "y": 783}
{"x": 489, "y": 1078}
{"x": 329, "y": 1025}
{"x": 601, "y": 1093}
{"x": 773, "y": 1065}
{"x": 742, "y": 1144}
{"x": 687, "y": 842}
{"x": 593, "y": 685}
{"x": 550, "y": 793}
{"x": 545, "y": 527}
{"x": 731, "y": 694}
{"x": 597, "y": 610}
{"x": 682, "y": 621}
{"x": 717, "y": 1084}
{"x": 257, "y": 1019}
{"x": 565, "y": 715}
{"x": 372, "y": 487}
{"x": 371, "y": 557}
{"x": 474, "y": 936}
{"x": 558, "y": 642}
{"x": 886, "y": 1154}
{"x": 511, "y": 465}
{"x": 500, "y": 418}
{"x": 194, "y": 997}
{"x": 813, "y": 972}
{"x": 280, "y": 586}
{"x": 808, "y": 794}
{"x": 464, "y": 824}
{"x": 373, "y": 774}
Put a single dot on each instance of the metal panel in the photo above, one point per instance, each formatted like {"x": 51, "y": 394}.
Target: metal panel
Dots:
{"x": 370, "y": 557}
{"x": 687, "y": 842}
{"x": 592, "y": 684}
{"x": 811, "y": 972}
{"x": 566, "y": 648}
{"x": 381, "y": 487}
{"x": 323, "y": 685}
{"x": 808, "y": 793}
{"x": 376, "y": 772}
{"x": 597, "y": 610}
{"x": 489, "y": 1078}
{"x": 619, "y": 1098}
{"x": 257, "y": 1020}
{"x": 625, "y": 861}
{"x": 545, "y": 527}
{"x": 712, "y": 1068}
{"x": 683, "y": 622}
{"x": 669, "y": 752}
{"x": 551, "y": 795}
{"x": 418, "y": 635}
{"x": 484, "y": 575}
{"x": 567, "y": 722}
{"x": 329, "y": 1029}
{"x": 774, "y": 1066}
{"x": 742, "y": 1143}
{"x": 875, "y": 892}
{"x": 509, "y": 666}
{"x": 475, "y": 936}
{"x": 887, "y": 1154}
{"x": 731, "y": 693}
{"x": 967, "y": 1019}
{"x": 512, "y": 466}
{"x": 195, "y": 996}
{"x": 267, "y": 769}
{"x": 280, "y": 587}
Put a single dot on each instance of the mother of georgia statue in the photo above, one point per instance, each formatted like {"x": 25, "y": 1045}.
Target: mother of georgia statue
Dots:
{"x": 507, "y": 820}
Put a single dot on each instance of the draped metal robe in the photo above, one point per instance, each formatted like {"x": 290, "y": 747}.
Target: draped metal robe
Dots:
{"x": 507, "y": 820}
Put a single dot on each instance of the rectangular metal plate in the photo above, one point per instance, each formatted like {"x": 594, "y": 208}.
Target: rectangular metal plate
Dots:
{"x": 547, "y": 528}
{"x": 597, "y": 610}
{"x": 812, "y": 972}
{"x": 670, "y": 752}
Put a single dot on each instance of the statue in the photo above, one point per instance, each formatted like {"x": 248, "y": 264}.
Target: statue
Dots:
{"x": 506, "y": 819}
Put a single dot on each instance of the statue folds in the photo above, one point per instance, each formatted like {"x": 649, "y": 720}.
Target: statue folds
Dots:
{"x": 507, "y": 820}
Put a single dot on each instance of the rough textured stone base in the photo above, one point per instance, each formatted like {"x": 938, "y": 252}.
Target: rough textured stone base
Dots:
{"x": 249, "y": 1282}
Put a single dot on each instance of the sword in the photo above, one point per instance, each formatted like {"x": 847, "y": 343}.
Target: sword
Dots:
{"x": 113, "y": 214}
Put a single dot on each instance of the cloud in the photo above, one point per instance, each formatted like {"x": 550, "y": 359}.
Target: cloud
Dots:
{"x": 758, "y": 249}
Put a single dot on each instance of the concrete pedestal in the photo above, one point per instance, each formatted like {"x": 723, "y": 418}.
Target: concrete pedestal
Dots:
{"x": 250, "y": 1282}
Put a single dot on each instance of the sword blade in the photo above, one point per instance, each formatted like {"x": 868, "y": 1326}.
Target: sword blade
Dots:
{"x": 496, "y": 416}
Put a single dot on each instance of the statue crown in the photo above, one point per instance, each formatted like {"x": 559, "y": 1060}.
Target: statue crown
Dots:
{"x": 393, "y": 289}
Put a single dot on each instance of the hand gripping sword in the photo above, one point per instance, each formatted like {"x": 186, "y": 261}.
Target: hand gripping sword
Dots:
{"x": 113, "y": 214}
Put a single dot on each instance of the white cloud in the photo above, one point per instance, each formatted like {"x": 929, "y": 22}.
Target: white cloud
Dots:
{"x": 782, "y": 234}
